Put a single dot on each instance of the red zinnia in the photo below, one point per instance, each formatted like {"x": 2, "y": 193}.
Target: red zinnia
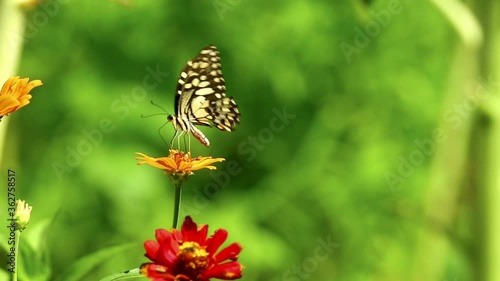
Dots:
{"x": 188, "y": 255}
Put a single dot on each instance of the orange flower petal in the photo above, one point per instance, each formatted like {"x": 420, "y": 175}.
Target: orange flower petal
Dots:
{"x": 8, "y": 104}
{"x": 15, "y": 94}
{"x": 178, "y": 162}
{"x": 169, "y": 163}
{"x": 206, "y": 163}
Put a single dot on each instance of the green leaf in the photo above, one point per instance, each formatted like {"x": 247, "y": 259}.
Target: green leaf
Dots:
{"x": 33, "y": 264}
{"x": 86, "y": 264}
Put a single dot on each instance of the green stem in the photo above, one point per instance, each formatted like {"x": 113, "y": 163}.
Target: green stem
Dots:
{"x": 485, "y": 158}
{"x": 13, "y": 277}
{"x": 177, "y": 202}
{"x": 12, "y": 25}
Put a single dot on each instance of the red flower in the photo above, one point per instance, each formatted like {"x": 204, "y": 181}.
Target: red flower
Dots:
{"x": 188, "y": 255}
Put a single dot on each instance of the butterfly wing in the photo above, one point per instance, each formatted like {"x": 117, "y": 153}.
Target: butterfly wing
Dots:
{"x": 201, "y": 93}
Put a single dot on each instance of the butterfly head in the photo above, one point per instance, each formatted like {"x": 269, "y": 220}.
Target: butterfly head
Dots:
{"x": 172, "y": 119}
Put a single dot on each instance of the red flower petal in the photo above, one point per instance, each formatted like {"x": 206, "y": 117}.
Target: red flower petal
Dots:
{"x": 189, "y": 230}
{"x": 231, "y": 252}
{"x": 202, "y": 234}
{"x": 162, "y": 235}
{"x": 188, "y": 255}
{"x": 218, "y": 238}
{"x": 168, "y": 253}
{"x": 151, "y": 247}
{"x": 225, "y": 271}
{"x": 181, "y": 277}
{"x": 177, "y": 235}
{"x": 156, "y": 272}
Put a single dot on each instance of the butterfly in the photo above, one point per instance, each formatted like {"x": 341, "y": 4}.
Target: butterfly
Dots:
{"x": 201, "y": 98}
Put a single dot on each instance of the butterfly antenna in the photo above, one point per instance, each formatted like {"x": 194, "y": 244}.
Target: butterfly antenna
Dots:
{"x": 159, "y": 106}
{"x": 154, "y": 114}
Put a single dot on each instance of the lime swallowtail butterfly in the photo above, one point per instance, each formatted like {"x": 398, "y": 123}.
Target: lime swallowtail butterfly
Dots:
{"x": 201, "y": 97}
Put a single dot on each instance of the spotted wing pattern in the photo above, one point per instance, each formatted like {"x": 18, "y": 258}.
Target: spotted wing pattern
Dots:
{"x": 201, "y": 93}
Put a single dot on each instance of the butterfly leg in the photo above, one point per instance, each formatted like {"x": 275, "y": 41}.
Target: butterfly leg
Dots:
{"x": 177, "y": 135}
{"x": 161, "y": 136}
{"x": 182, "y": 133}
{"x": 187, "y": 144}
{"x": 173, "y": 138}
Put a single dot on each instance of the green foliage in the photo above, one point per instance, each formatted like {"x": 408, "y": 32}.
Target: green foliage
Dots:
{"x": 85, "y": 265}
{"x": 318, "y": 174}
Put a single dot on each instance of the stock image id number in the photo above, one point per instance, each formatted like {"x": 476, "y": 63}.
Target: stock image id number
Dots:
{"x": 11, "y": 189}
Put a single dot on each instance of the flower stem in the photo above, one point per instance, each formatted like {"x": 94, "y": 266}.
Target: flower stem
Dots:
{"x": 13, "y": 277}
{"x": 177, "y": 202}
{"x": 12, "y": 25}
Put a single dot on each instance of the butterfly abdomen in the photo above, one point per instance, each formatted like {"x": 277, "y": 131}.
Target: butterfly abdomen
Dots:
{"x": 197, "y": 134}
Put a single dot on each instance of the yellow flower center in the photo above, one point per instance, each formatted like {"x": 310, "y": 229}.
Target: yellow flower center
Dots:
{"x": 194, "y": 259}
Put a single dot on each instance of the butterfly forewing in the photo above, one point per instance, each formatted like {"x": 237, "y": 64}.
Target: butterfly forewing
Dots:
{"x": 201, "y": 93}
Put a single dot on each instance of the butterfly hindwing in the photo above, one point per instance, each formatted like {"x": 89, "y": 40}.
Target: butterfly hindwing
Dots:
{"x": 201, "y": 93}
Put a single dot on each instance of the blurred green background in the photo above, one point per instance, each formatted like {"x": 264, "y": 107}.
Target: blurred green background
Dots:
{"x": 388, "y": 153}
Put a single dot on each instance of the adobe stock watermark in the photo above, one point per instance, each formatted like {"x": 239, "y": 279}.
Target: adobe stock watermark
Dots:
{"x": 250, "y": 147}
{"x": 453, "y": 118}
{"x": 39, "y": 19}
{"x": 224, "y": 6}
{"x": 310, "y": 264}
{"x": 120, "y": 107}
{"x": 363, "y": 36}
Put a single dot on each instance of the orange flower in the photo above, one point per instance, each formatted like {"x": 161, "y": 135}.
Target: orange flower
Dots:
{"x": 178, "y": 163}
{"x": 15, "y": 94}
